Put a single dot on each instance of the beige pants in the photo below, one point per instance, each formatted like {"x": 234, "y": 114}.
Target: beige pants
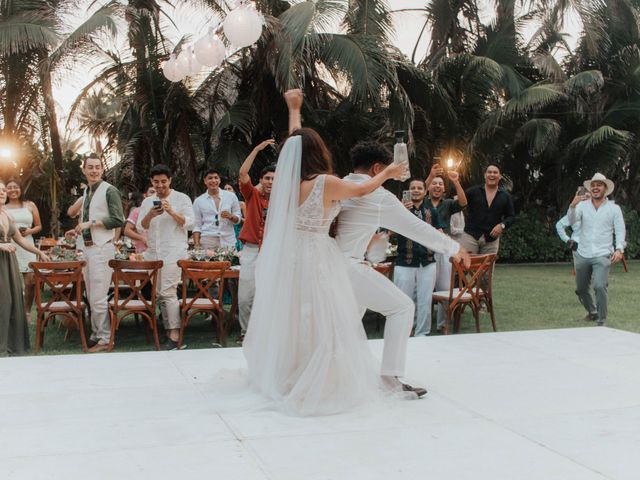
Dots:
{"x": 167, "y": 288}
{"x": 480, "y": 246}
{"x": 97, "y": 277}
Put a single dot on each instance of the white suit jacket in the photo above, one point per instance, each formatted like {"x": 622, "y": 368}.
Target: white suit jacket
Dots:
{"x": 360, "y": 217}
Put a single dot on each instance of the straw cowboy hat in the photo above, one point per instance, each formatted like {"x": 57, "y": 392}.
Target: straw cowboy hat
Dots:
{"x": 598, "y": 177}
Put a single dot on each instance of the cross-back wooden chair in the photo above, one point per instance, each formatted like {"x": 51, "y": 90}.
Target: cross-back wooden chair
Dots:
{"x": 65, "y": 281}
{"x": 135, "y": 276}
{"x": 469, "y": 287}
{"x": 47, "y": 244}
{"x": 203, "y": 276}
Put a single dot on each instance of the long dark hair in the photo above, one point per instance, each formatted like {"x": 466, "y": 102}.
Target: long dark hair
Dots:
{"x": 316, "y": 158}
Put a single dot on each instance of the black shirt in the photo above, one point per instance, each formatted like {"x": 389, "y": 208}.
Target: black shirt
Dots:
{"x": 411, "y": 254}
{"x": 446, "y": 208}
{"x": 481, "y": 218}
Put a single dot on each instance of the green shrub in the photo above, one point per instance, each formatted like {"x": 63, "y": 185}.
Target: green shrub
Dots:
{"x": 533, "y": 239}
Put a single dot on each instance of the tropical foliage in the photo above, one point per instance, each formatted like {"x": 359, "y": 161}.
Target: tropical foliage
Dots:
{"x": 507, "y": 87}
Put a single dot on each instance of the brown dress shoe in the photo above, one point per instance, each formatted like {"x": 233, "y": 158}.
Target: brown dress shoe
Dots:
{"x": 99, "y": 347}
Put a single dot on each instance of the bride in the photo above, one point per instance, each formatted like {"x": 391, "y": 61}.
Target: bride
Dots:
{"x": 305, "y": 345}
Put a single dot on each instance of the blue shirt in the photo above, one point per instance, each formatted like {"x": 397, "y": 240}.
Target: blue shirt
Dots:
{"x": 598, "y": 227}
{"x": 561, "y": 228}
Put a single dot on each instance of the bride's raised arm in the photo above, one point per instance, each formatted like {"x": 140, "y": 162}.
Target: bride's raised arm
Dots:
{"x": 338, "y": 189}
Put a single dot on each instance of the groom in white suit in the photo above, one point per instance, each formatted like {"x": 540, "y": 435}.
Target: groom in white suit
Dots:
{"x": 357, "y": 223}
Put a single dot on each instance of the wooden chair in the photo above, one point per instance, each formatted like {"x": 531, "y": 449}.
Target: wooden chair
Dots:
{"x": 473, "y": 287}
{"x": 203, "y": 276}
{"x": 134, "y": 276}
{"x": 64, "y": 280}
{"x": 47, "y": 244}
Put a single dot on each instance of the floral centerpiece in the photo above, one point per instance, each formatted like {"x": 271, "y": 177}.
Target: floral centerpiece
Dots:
{"x": 217, "y": 254}
{"x": 125, "y": 250}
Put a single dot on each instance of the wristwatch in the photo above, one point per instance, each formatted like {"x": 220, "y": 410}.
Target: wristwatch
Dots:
{"x": 93, "y": 222}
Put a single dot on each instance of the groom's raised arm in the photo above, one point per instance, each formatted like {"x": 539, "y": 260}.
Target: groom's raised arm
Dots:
{"x": 395, "y": 217}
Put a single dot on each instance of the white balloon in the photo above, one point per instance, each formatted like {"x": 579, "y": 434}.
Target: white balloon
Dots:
{"x": 187, "y": 63}
{"x": 171, "y": 71}
{"x": 209, "y": 50}
{"x": 243, "y": 26}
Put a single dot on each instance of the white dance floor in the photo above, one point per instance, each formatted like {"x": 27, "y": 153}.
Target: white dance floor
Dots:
{"x": 540, "y": 405}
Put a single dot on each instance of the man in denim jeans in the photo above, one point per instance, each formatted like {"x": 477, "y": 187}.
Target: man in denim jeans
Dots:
{"x": 600, "y": 219}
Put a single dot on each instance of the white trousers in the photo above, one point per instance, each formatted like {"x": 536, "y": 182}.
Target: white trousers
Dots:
{"x": 97, "y": 277}
{"x": 376, "y": 292}
{"x": 167, "y": 287}
{"x": 247, "y": 284}
{"x": 417, "y": 283}
{"x": 210, "y": 242}
{"x": 443, "y": 282}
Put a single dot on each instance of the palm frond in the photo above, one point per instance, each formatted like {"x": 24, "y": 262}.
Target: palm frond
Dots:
{"x": 538, "y": 134}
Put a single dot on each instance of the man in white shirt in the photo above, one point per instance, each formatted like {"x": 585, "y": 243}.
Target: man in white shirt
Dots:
{"x": 215, "y": 212}
{"x": 357, "y": 223}
{"x": 572, "y": 241}
{"x": 599, "y": 219}
{"x": 167, "y": 216}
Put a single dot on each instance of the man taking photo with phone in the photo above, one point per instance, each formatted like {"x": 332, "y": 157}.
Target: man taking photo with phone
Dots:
{"x": 600, "y": 219}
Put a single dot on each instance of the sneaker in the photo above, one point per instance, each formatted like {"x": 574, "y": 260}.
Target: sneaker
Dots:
{"x": 170, "y": 345}
{"x": 591, "y": 317}
{"x": 601, "y": 322}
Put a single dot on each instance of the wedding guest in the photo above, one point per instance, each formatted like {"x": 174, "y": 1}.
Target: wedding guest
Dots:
{"x": 448, "y": 209}
{"x": 14, "y": 329}
{"x": 490, "y": 212}
{"x": 572, "y": 241}
{"x": 101, "y": 213}
{"x": 415, "y": 268}
{"x": 167, "y": 217}
{"x": 243, "y": 212}
{"x": 600, "y": 220}
{"x": 257, "y": 199}
{"x": 216, "y": 212}
{"x": 130, "y": 230}
{"x": 27, "y": 218}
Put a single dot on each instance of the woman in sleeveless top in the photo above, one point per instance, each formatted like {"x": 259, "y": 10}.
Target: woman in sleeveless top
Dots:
{"x": 305, "y": 345}
{"x": 27, "y": 218}
{"x": 14, "y": 333}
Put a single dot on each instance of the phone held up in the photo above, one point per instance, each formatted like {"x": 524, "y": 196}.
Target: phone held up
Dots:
{"x": 406, "y": 196}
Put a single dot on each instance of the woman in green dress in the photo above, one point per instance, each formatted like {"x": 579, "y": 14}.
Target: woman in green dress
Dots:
{"x": 14, "y": 333}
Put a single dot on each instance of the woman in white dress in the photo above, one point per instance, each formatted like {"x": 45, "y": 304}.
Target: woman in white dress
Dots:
{"x": 27, "y": 218}
{"x": 305, "y": 345}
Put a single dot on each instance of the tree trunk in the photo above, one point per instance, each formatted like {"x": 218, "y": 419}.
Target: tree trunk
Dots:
{"x": 57, "y": 183}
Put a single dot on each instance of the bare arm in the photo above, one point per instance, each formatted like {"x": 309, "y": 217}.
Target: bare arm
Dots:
{"x": 436, "y": 171}
{"x": 19, "y": 239}
{"x": 37, "y": 223}
{"x": 455, "y": 179}
{"x": 294, "y": 104}
{"x": 248, "y": 162}
{"x": 131, "y": 232}
{"x": 74, "y": 210}
{"x": 337, "y": 189}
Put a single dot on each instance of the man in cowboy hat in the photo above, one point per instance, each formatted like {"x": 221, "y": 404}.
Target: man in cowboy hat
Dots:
{"x": 600, "y": 219}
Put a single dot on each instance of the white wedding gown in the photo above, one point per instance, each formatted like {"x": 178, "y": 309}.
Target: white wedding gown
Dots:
{"x": 306, "y": 347}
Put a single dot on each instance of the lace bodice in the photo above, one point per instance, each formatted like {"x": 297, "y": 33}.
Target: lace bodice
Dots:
{"x": 311, "y": 216}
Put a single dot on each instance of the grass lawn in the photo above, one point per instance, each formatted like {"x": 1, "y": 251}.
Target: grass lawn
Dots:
{"x": 526, "y": 297}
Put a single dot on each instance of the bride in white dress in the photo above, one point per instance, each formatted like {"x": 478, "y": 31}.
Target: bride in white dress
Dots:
{"x": 305, "y": 345}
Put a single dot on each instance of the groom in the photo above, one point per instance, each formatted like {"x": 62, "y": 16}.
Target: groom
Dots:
{"x": 357, "y": 223}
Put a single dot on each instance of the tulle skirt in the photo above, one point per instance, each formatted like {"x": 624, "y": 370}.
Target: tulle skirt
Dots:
{"x": 307, "y": 348}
